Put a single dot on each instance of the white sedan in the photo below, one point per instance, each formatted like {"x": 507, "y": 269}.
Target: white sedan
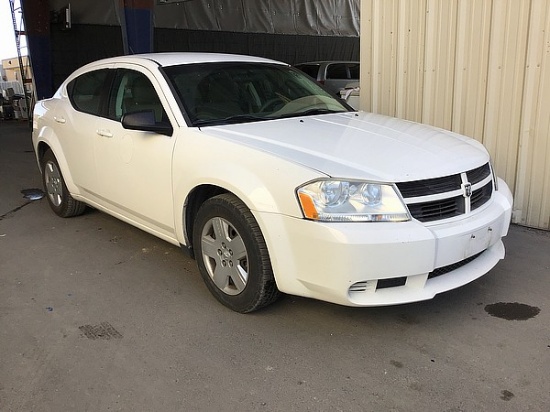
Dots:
{"x": 269, "y": 182}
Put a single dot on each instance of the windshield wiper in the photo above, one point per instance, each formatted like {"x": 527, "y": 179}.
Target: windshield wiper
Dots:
{"x": 313, "y": 112}
{"x": 238, "y": 118}
{"x": 248, "y": 118}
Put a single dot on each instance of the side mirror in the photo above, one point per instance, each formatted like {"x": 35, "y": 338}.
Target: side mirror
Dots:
{"x": 145, "y": 121}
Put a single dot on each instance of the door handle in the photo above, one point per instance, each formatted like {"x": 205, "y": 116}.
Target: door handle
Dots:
{"x": 104, "y": 133}
{"x": 59, "y": 119}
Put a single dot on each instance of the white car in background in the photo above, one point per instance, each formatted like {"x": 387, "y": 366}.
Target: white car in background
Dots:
{"x": 350, "y": 94}
{"x": 333, "y": 75}
{"x": 271, "y": 183}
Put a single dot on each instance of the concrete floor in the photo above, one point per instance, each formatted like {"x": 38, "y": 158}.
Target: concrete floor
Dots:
{"x": 96, "y": 315}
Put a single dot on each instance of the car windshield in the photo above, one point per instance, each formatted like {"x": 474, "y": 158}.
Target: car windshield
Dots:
{"x": 227, "y": 93}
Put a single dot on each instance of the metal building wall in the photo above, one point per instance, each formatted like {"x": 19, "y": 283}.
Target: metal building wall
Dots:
{"x": 477, "y": 67}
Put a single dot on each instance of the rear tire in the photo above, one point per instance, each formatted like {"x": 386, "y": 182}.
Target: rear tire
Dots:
{"x": 59, "y": 198}
{"x": 232, "y": 255}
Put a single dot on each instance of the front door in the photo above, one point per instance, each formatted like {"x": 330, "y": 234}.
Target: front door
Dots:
{"x": 134, "y": 167}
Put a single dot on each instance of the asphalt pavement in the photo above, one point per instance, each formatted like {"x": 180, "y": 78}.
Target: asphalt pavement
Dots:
{"x": 96, "y": 315}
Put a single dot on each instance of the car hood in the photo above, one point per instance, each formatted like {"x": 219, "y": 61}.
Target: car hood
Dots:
{"x": 360, "y": 146}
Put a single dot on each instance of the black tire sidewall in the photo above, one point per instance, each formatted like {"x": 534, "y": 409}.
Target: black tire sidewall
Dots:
{"x": 60, "y": 210}
{"x": 220, "y": 207}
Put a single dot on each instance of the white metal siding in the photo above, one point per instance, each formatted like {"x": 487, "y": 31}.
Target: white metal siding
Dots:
{"x": 477, "y": 67}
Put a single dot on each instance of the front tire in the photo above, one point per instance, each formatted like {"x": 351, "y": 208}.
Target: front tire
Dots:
{"x": 232, "y": 255}
{"x": 59, "y": 198}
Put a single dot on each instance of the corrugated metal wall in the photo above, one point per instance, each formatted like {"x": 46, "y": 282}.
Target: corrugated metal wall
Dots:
{"x": 477, "y": 67}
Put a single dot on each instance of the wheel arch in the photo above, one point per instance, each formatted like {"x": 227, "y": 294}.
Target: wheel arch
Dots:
{"x": 254, "y": 194}
{"x": 47, "y": 142}
{"x": 41, "y": 149}
{"x": 260, "y": 189}
{"x": 193, "y": 202}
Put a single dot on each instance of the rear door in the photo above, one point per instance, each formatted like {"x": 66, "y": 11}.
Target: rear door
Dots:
{"x": 76, "y": 119}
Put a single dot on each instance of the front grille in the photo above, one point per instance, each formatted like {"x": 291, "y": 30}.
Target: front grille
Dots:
{"x": 477, "y": 175}
{"x": 446, "y": 269}
{"x": 450, "y": 196}
{"x": 437, "y": 210}
{"x": 429, "y": 186}
{"x": 481, "y": 196}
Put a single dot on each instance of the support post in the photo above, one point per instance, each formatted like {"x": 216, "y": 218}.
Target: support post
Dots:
{"x": 36, "y": 15}
{"x": 137, "y": 26}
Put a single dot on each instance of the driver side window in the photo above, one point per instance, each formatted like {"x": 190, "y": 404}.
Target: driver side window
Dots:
{"x": 133, "y": 92}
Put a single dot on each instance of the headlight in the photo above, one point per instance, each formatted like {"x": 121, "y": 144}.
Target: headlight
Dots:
{"x": 351, "y": 201}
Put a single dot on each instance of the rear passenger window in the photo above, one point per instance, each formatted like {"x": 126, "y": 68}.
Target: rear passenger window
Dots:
{"x": 337, "y": 71}
{"x": 86, "y": 90}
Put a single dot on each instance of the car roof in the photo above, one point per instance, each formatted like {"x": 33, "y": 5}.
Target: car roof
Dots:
{"x": 177, "y": 58}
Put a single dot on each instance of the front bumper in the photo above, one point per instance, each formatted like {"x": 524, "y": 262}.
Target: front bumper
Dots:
{"x": 375, "y": 264}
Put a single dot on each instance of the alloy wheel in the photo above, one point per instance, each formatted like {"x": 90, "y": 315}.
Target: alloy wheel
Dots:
{"x": 225, "y": 256}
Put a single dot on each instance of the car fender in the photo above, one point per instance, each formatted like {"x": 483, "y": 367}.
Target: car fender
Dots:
{"x": 262, "y": 181}
{"x": 46, "y": 135}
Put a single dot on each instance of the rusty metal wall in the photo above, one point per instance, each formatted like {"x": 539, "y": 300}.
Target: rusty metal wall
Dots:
{"x": 477, "y": 67}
